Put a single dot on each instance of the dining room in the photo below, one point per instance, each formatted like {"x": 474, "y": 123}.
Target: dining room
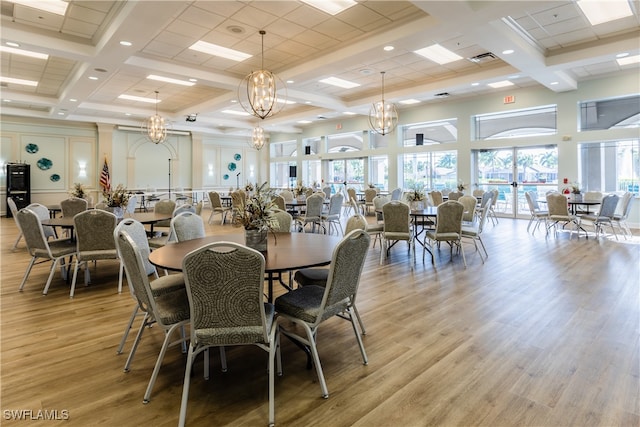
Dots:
{"x": 525, "y": 331}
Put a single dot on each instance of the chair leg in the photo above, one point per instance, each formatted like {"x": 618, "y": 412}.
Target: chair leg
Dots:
{"x": 75, "y": 276}
{"x": 134, "y": 313}
{"x": 316, "y": 360}
{"x": 15, "y": 245}
{"x": 355, "y": 311}
{"x": 156, "y": 369}
{"x": 145, "y": 323}
{"x": 120, "y": 274}
{"x": 358, "y": 338}
{"x": 51, "y": 273}
{"x": 464, "y": 259}
{"x": 185, "y": 388}
{"x": 26, "y": 273}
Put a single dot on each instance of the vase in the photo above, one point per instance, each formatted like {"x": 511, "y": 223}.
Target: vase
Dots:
{"x": 416, "y": 205}
{"x": 118, "y": 211}
{"x": 256, "y": 239}
{"x": 577, "y": 197}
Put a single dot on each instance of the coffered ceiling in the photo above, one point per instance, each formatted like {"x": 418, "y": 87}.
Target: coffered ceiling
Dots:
{"x": 554, "y": 47}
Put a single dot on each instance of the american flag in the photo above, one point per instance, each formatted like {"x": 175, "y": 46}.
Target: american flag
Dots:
{"x": 105, "y": 179}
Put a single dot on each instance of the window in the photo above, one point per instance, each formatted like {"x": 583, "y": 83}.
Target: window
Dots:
{"x": 379, "y": 171}
{"x": 311, "y": 173}
{"x": 433, "y": 170}
{"x": 429, "y": 133}
{"x": 377, "y": 141}
{"x": 344, "y": 142}
{"x": 610, "y": 166}
{"x": 517, "y": 123}
{"x": 610, "y": 113}
{"x": 283, "y": 149}
{"x": 280, "y": 175}
{"x": 311, "y": 146}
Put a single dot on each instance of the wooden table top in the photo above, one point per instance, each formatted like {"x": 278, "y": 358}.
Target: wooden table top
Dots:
{"x": 292, "y": 251}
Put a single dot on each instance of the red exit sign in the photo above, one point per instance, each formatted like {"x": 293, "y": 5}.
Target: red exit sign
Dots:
{"x": 509, "y": 99}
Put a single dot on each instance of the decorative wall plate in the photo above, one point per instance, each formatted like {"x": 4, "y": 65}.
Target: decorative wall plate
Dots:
{"x": 44, "y": 164}
{"x": 237, "y": 157}
{"x": 231, "y": 166}
{"x": 55, "y": 177}
{"x": 31, "y": 148}
{"x": 225, "y": 176}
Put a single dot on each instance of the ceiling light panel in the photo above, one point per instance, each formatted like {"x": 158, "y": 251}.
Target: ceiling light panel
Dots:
{"x": 332, "y": 7}
{"x": 222, "y": 52}
{"x": 170, "y": 80}
{"x": 22, "y": 82}
{"x": 22, "y": 52}
{"x": 334, "y": 81}
{"x": 438, "y": 54}
{"x": 498, "y": 85}
{"x": 627, "y": 60}
{"x": 57, "y": 7}
{"x": 598, "y": 11}
{"x": 139, "y": 99}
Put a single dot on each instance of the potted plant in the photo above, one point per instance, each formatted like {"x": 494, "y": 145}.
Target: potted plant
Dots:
{"x": 78, "y": 191}
{"x": 416, "y": 196}
{"x": 575, "y": 191}
{"x": 117, "y": 199}
{"x": 256, "y": 215}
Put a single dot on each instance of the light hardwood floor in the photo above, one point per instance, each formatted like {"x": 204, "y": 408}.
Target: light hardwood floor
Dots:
{"x": 545, "y": 333}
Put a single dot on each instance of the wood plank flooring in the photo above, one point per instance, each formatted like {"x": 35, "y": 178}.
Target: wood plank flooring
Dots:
{"x": 545, "y": 333}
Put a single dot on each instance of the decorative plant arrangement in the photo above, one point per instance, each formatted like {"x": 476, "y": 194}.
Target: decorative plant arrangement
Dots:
{"x": 257, "y": 217}
{"x": 117, "y": 197}
{"x": 78, "y": 191}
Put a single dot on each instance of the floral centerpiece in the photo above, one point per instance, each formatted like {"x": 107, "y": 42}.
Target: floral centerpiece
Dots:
{"x": 300, "y": 189}
{"x": 461, "y": 186}
{"x": 248, "y": 188}
{"x": 116, "y": 198}
{"x": 256, "y": 215}
{"x": 78, "y": 191}
{"x": 417, "y": 193}
{"x": 575, "y": 188}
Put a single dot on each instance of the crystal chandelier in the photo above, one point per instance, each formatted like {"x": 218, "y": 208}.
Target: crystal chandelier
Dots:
{"x": 259, "y": 87}
{"x": 257, "y": 138}
{"x": 155, "y": 128}
{"x": 383, "y": 116}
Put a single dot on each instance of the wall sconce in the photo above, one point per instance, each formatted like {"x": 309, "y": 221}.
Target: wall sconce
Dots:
{"x": 251, "y": 171}
{"x": 83, "y": 169}
{"x": 210, "y": 170}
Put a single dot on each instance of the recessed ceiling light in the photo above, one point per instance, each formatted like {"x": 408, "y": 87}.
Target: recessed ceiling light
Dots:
{"x": 503, "y": 83}
{"x": 339, "y": 82}
{"x": 438, "y": 54}
{"x": 237, "y": 113}
{"x": 127, "y": 114}
{"x": 169, "y": 80}
{"x": 12, "y": 44}
{"x": 553, "y": 83}
{"x": 307, "y": 102}
{"x": 332, "y": 7}
{"x": 125, "y": 43}
{"x": 628, "y": 60}
{"x": 290, "y": 82}
{"x": 18, "y": 81}
{"x": 622, "y": 55}
{"x": 349, "y": 113}
{"x": 6, "y": 100}
{"x": 409, "y": 101}
{"x": 304, "y": 122}
{"x": 73, "y": 100}
{"x": 222, "y": 52}
{"x": 93, "y": 78}
{"x": 58, "y": 7}
{"x": 23, "y": 52}
{"x": 388, "y": 48}
{"x": 515, "y": 76}
{"x": 475, "y": 84}
{"x": 233, "y": 101}
{"x": 507, "y": 52}
{"x": 60, "y": 113}
{"x": 193, "y": 80}
{"x": 598, "y": 12}
{"x": 139, "y": 99}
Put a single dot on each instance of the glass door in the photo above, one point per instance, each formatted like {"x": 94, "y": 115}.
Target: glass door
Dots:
{"x": 513, "y": 171}
{"x": 349, "y": 172}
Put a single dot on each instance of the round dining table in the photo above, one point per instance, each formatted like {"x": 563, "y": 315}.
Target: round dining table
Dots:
{"x": 149, "y": 218}
{"x": 285, "y": 252}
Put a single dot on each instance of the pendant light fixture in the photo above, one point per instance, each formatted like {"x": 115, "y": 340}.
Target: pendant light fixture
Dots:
{"x": 257, "y": 138}
{"x": 383, "y": 116}
{"x": 257, "y": 91}
{"x": 155, "y": 127}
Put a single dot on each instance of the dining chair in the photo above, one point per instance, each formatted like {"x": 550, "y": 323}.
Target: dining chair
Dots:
{"x": 287, "y": 195}
{"x": 469, "y": 203}
{"x": 279, "y": 202}
{"x": 187, "y": 226}
{"x": 474, "y": 230}
{"x": 448, "y": 229}
{"x": 492, "y": 206}
{"x": 180, "y": 196}
{"x": 537, "y": 214}
{"x": 604, "y": 216}
{"x": 130, "y": 209}
{"x": 72, "y": 206}
{"x": 436, "y": 197}
{"x": 352, "y": 195}
{"x": 217, "y": 207}
{"x": 332, "y": 216}
{"x": 397, "y": 227}
{"x": 369, "y": 194}
{"x": 224, "y": 285}
{"x": 622, "y": 213}
{"x": 309, "y": 306}
{"x": 312, "y": 215}
{"x": 238, "y": 201}
{"x": 455, "y": 195}
{"x": 39, "y": 247}
{"x": 478, "y": 192}
{"x": 160, "y": 285}
{"x": 396, "y": 194}
{"x": 43, "y": 214}
{"x": 94, "y": 238}
{"x": 164, "y": 206}
{"x": 168, "y": 310}
{"x": 327, "y": 192}
{"x": 559, "y": 214}
{"x": 14, "y": 213}
{"x": 284, "y": 219}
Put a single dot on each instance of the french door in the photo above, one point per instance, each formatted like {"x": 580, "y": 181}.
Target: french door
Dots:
{"x": 349, "y": 172}
{"x": 513, "y": 171}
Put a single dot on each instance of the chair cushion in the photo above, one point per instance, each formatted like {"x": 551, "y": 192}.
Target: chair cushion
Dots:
{"x": 303, "y": 303}
{"x": 312, "y": 276}
{"x": 167, "y": 284}
{"x": 173, "y": 307}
